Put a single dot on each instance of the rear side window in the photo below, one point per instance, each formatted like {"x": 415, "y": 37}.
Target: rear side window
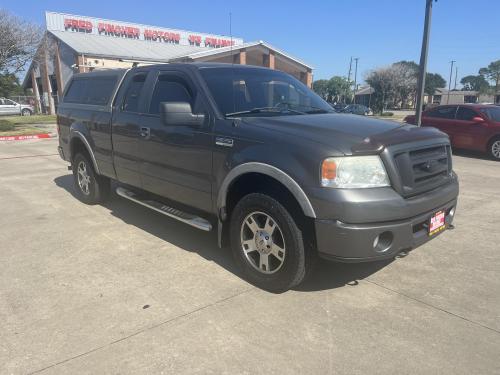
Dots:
{"x": 99, "y": 90}
{"x": 465, "y": 114}
{"x": 94, "y": 91}
{"x": 75, "y": 91}
{"x": 169, "y": 88}
{"x": 446, "y": 112}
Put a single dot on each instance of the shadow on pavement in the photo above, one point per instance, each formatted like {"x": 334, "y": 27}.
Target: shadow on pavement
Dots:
{"x": 327, "y": 275}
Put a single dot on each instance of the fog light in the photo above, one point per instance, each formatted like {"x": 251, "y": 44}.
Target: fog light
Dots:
{"x": 452, "y": 211}
{"x": 383, "y": 242}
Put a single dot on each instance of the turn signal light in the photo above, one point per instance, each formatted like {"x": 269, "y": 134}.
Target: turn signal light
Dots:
{"x": 328, "y": 170}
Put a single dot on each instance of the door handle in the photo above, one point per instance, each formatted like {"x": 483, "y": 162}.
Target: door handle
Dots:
{"x": 145, "y": 132}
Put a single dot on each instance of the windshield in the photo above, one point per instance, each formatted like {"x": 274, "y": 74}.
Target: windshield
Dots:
{"x": 262, "y": 92}
{"x": 493, "y": 113}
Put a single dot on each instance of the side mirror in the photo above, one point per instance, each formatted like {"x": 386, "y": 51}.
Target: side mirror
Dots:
{"x": 478, "y": 119}
{"x": 179, "y": 114}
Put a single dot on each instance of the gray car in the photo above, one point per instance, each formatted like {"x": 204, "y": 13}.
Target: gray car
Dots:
{"x": 9, "y": 108}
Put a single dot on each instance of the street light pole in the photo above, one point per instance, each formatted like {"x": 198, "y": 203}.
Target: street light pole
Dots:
{"x": 423, "y": 62}
{"x": 449, "y": 83}
{"x": 355, "y": 78}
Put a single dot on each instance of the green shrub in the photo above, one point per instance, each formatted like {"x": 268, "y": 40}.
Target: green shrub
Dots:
{"x": 6, "y": 126}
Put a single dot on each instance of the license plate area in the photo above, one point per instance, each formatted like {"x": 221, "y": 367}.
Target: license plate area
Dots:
{"x": 437, "y": 223}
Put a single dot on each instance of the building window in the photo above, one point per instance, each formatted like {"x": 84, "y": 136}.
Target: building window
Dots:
{"x": 470, "y": 99}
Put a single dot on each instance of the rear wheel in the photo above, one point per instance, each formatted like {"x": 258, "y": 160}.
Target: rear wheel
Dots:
{"x": 26, "y": 112}
{"x": 267, "y": 244}
{"x": 494, "y": 148}
{"x": 90, "y": 187}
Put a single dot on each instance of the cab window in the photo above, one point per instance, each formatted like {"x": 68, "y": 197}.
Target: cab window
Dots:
{"x": 170, "y": 88}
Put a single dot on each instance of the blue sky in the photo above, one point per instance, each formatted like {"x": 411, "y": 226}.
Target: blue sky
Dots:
{"x": 323, "y": 33}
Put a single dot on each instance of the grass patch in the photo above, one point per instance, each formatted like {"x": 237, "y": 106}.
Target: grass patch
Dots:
{"x": 5, "y": 126}
{"x": 26, "y": 120}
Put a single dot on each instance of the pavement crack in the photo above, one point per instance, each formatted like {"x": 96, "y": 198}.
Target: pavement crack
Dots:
{"x": 433, "y": 307}
{"x": 178, "y": 317}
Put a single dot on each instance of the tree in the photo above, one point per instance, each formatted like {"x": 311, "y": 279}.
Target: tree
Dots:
{"x": 492, "y": 73}
{"x": 320, "y": 87}
{"x": 338, "y": 87}
{"x": 382, "y": 81}
{"x": 9, "y": 85}
{"x": 475, "y": 83}
{"x": 19, "y": 41}
{"x": 332, "y": 89}
{"x": 433, "y": 81}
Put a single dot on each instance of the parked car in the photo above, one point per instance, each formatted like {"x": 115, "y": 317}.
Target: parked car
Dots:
{"x": 338, "y": 107}
{"x": 10, "y": 107}
{"x": 256, "y": 155}
{"x": 469, "y": 126}
{"x": 358, "y": 109}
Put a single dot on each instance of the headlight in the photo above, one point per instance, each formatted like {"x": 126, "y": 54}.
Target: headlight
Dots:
{"x": 354, "y": 172}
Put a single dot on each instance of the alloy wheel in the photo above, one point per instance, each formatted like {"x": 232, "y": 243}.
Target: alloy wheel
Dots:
{"x": 83, "y": 178}
{"x": 495, "y": 149}
{"x": 262, "y": 242}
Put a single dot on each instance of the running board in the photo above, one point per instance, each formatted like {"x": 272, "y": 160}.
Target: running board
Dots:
{"x": 184, "y": 217}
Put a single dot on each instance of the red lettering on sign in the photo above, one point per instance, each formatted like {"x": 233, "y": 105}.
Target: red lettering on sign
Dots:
{"x": 118, "y": 30}
{"x": 78, "y": 25}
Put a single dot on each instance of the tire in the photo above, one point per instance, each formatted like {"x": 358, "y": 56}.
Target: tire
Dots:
{"x": 494, "y": 148}
{"x": 26, "y": 112}
{"x": 267, "y": 244}
{"x": 96, "y": 188}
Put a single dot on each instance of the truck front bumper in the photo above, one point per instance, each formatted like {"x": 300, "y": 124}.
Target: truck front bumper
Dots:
{"x": 383, "y": 239}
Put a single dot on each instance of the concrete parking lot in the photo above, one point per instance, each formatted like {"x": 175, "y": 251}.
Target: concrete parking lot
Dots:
{"x": 120, "y": 289}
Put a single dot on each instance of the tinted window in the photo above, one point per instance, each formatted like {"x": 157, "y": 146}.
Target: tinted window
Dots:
{"x": 76, "y": 91}
{"x": 242, "y": 89}
{"x": 445, "y": 112}
{"x": 95, "y": 90}
{"x": 99, "y": 90}
{"x": 169, "y": 88}
{"x": 493, "y": 113}
{"x": 132, "y": 97}
{"x": 465, "y": 114}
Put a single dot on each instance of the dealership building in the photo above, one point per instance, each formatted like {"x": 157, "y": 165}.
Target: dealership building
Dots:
{"x": 78, "y": 44}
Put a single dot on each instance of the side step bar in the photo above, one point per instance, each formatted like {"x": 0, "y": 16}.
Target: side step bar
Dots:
{"x": 186, "y": 218}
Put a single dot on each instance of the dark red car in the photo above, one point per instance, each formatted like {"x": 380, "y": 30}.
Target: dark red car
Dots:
{"x": 469, "y": 126}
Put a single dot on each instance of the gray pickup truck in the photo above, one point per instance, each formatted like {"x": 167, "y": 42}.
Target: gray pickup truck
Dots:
{"x": 257, "y": 156}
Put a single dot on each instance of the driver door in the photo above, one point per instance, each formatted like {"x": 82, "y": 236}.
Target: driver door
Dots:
{"x": 176, "y": 161}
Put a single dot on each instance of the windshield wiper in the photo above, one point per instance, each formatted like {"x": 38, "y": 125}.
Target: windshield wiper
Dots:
{"x": 264, "y": 110}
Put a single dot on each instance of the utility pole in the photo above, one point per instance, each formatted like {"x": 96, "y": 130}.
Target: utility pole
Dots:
{"x": 355, "y": 78}
{"x": 449, "y": 83}
{"x": 456, "y": 75}
{"x": 348, "y": 78}
{"x": 423, "y": 62}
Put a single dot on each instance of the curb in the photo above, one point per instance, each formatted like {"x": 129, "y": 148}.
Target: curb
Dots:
{"x": 26, "y": 137}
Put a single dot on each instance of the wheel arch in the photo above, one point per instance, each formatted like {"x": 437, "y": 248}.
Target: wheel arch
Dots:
{"x": 269, "y": 171}
{"x": 79, "y": 142}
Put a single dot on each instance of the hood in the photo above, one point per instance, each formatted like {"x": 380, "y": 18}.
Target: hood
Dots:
{"x": 341, "y": 131}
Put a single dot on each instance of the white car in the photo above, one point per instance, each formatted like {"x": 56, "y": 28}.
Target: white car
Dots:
{"x": 10, "y": 107}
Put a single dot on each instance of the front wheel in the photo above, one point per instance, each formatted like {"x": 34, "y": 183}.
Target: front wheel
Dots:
{"x": 267, "y": 244}
{"x": 26, "y": 112}
{"x": 494, "y": 148}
